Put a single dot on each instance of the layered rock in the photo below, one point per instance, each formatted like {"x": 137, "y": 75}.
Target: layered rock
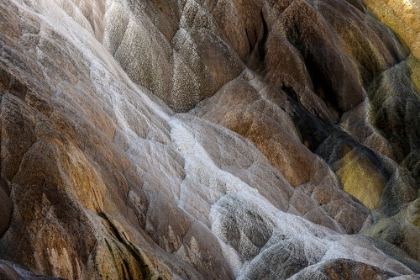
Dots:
{"x": 402, "y": 17}
{"x": 303, "y": 134}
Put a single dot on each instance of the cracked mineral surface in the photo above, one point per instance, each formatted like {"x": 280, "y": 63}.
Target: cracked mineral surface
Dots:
{"x": 204, "y": 139}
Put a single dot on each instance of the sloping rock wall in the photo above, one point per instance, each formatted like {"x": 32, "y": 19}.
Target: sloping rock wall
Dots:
{"x": 206, "y": 140}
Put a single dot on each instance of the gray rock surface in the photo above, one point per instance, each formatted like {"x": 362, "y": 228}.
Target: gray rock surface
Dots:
{"x": 208, "y": 139}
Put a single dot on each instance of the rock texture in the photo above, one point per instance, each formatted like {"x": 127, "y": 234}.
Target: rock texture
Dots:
{"x": 200, "y": 139}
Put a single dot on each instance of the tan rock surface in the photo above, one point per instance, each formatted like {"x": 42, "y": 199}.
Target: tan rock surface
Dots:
{"x": 402, "y": 17}
{"x": 303, "y": 134}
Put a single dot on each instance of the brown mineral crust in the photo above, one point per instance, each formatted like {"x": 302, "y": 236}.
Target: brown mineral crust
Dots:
{"x": 303, "y": 133}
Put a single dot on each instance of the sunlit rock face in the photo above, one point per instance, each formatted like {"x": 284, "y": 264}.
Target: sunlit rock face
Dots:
{"x": 208, "y": 140}
{"x": 402, "y": 17}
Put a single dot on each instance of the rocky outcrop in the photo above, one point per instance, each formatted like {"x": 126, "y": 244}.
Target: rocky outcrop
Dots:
{"x": 207, "y": 140}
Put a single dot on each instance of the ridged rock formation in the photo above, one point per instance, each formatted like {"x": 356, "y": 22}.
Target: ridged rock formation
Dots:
{"x": 201, "y": 139}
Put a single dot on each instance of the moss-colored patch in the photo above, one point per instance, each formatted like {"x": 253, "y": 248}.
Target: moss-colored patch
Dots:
{"x": 415, "y": 220}
{"x": 413, "y": 64}
{"x": 415, "y": 213}
{"x": 361, "y": 178}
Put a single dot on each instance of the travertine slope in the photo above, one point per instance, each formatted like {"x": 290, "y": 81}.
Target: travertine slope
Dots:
{"x": 200, "y": 139}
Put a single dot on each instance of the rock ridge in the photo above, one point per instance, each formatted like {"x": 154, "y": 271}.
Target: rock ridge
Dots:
{"x": 201, "y": 139}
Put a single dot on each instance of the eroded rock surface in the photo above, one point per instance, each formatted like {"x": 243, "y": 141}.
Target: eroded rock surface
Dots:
{"x": 208, "y": 140}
